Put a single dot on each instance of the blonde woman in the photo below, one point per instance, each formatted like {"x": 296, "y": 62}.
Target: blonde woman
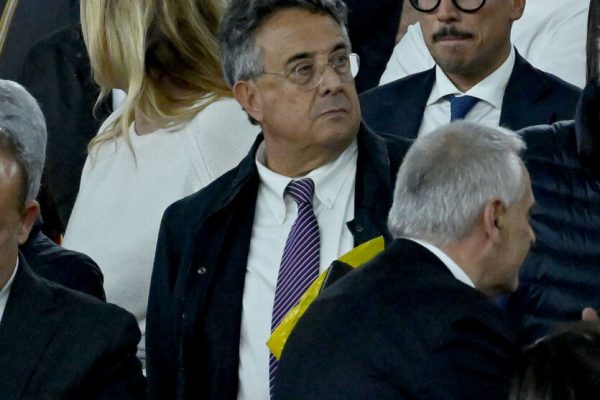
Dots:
{"x": 176, "y": 131}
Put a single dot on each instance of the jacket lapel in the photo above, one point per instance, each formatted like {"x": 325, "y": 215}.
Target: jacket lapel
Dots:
{"x": 29, "y": 323}
{"x": 373, "y": 187}
{"x": 524, "y": 90}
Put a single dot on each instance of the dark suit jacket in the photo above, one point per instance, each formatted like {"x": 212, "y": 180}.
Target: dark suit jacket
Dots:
{"x": 66, "y": 267}
{"x": 532, "y": 97}
{"x": 33, "y": 20}
{"x": 59, "y": 344}
{"x": 57, "y": 73}
{"x": 401, "y": 327}
{"x": 372, "y": 27}
{"x": 195, "y": 304}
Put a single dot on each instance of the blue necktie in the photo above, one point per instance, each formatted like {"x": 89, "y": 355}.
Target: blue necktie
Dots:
{"x": 300, "y": 261}
{"x": 460, "y": 106}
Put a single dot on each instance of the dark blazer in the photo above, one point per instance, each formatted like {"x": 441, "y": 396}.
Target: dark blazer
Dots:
{"x": 57, "y": 73}
{"x": 401, "y": 327}
{"x": 66, "y": 267}
{"x": 372, "y": 27}
{"x": 195, "y": 304}
{"x": 560, "y": 276}
{"x": 532, "y": 97}
{"x": 60, "y": 344}
{"x": 33, "y": 20}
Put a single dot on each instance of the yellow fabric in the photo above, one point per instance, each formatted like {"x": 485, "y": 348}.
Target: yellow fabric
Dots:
{"x": 355, "y": 257}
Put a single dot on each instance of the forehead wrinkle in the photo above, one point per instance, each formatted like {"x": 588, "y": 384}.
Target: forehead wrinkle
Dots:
{"x": 307, "y": 54}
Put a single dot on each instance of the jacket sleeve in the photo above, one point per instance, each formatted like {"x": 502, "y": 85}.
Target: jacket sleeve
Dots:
{"x": 119, "y": 372}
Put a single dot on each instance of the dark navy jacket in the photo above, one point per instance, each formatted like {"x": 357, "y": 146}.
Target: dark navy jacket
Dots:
{"x": 561, "y": 275}
{"x": 532, "y": 97}
{"x": 401, "y": 327}
{"x": 195, "y": 304}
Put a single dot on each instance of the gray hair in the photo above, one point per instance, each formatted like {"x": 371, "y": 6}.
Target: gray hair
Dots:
{"x": 240, "y": 58}
{"x": 449, "y": 175}
{"x": 22, "y": 120}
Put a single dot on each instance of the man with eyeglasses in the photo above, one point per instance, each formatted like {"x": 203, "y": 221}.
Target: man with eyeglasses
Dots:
{"x": 233, "y": 259}
{"x": 478, "y": 75}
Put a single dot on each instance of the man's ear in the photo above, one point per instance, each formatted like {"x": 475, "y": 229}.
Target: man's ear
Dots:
{"x": 494, "y": 219}
{"x": 518, "y": 7}
{"x": 28, "y": 217}
{"x": 246, "y": 93}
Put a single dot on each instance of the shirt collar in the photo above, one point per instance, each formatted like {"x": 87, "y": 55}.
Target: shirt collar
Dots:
{"x": 490, "y": 89}
{"x": 448, "y": 262}
{"x": 328, "y": 179}
{"x": 4, "y": 293}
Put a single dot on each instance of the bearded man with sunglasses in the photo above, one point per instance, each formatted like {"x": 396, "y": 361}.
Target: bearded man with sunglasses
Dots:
{"x": 234, "y": 258}
{"x": 478, "y": 75}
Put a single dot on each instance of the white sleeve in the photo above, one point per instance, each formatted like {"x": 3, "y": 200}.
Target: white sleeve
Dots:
{"x": 409, "y": 57}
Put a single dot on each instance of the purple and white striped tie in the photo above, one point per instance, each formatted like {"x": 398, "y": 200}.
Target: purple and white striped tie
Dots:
{"x": 300, "y": 262}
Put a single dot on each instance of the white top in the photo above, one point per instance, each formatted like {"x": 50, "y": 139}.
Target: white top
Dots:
{"x": 456, "y": 271}
{"x": 121, "y": 199}
{"x": 275, "y": 214}
{"x": 551, "y": 35}
{"x": 490, "y": 92}
{"x": 5, "y": 291}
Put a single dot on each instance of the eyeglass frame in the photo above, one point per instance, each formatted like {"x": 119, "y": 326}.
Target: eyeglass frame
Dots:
{"x": 321, "y": 71}
{"x": 455, "y": 2}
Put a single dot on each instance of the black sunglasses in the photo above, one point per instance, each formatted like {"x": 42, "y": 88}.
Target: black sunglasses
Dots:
{"x": 427, "y": 6}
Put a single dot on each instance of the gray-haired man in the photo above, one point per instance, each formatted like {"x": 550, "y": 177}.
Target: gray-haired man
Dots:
{"x": 234, "y": 258}
{"x": 56, "y": 343}
{"x": 417, "y": 322}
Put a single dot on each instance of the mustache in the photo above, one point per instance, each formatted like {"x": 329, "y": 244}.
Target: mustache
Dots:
{"x": 450, "y": 31}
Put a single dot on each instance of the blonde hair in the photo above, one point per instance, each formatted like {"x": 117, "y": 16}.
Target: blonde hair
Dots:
{"x": 148, "y": 48}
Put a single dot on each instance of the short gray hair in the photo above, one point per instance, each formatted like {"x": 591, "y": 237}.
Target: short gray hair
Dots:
{"x": 449, "y": 175}
{"x": 22, "y": 120}
{"x": 240, "y": 58}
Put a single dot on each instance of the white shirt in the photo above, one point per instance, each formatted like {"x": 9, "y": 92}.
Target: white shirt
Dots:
{"x": 551, "y": 35}
{"x": 122, "y": 198}
{"x": 456, "y": 271}
{"x": 490, "y": 92}
{"x": 275, "y": 214}
{"x": 5, "y": 292}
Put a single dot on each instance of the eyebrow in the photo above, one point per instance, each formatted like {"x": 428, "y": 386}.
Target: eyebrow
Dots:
{"x": 301, "y": 56}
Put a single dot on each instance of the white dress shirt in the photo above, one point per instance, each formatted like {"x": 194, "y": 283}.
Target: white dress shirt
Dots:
{"x": 490, "y": 92}
{"x": 275, "y": 214}
{"x": 456, "y": 271}
{"x": 551, "y": 35}
{"x": 5, "y": 292}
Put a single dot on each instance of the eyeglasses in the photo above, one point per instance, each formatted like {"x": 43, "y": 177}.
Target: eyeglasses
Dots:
{"x": 467, "y": 6}
{"x": 309, "y": 75}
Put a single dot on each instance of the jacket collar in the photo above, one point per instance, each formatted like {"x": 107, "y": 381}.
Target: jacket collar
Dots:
{"x": 373, "y": 187}
{"x": 525, "y": 88}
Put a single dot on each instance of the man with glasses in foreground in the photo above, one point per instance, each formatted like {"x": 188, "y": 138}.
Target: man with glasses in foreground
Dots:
{"x": 478, "y": 75}
{"x": 234, "y": 258}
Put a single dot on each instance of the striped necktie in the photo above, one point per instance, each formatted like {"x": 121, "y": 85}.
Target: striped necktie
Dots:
{"x": 300, "y": 261}
{"x": 460, "y": 106}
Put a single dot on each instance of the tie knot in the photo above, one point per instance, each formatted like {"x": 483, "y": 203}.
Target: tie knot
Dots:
{"x": 460, "y": 106}
{"x": 301, "y": 190}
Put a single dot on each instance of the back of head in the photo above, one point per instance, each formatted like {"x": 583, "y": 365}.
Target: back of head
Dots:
{"x": 240, "y": 57}
{"x": 449, "y": 175}
{"x": 22, "y": 120}
{"x": 163, "y": 53}
{"x": 562, "y": 366}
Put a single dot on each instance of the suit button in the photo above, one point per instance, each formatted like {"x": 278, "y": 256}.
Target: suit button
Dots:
{"x": 359, "y": 228}
{"x": 201, "y": 271}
